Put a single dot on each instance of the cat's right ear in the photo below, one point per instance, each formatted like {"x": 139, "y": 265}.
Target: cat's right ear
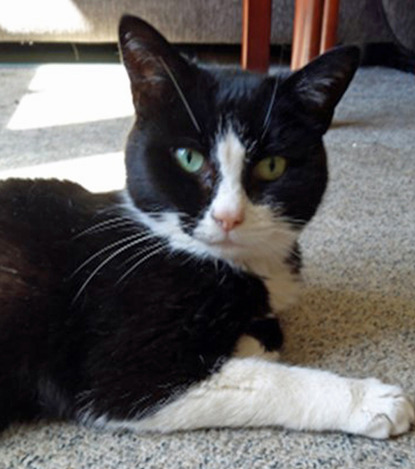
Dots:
{"x": 150, "y": 60}
{"x": 315, "y": 90}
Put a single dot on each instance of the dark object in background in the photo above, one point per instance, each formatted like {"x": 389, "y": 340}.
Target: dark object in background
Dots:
{"x": 389, "y": 55}
{"x": 399, "y": 16}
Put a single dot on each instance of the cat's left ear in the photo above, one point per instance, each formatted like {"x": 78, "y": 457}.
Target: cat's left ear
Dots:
{"x": 317, "y": 88}
{"x": 151, "y": 61}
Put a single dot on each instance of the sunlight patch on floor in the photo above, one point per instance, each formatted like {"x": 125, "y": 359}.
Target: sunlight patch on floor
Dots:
{"x": 98, "y": 173}
{"x": 38, "y": 16}
{"x": 73, "y": 94}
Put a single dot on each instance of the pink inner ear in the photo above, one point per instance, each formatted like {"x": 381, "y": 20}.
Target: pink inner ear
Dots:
{"x": 145, "y": 52}
{"x": 155, "y": 68}
{"x": 319, "y": 93}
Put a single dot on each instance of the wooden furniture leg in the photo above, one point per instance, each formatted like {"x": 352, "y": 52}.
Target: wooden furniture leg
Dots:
{"x": 308, "y": 17}
{"x": 329, "y": 27}
{"x": 256, "y": 33}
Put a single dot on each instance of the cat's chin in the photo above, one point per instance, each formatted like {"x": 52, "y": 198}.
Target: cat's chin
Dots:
{"x": 228, "y": 250}
{"x": 236, "y": 248}
{"x": 222, "y": 242}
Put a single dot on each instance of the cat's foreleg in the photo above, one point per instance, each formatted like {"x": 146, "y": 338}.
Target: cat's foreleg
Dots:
{"x": 253, "y": 392}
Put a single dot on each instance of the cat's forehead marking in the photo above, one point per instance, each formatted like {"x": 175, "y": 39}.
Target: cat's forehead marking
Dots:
{"x": 230, "y": 153}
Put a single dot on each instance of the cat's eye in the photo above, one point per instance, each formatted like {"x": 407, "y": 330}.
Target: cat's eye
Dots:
{"x": 190, "y": 160}
{"x": 270, "y": 168}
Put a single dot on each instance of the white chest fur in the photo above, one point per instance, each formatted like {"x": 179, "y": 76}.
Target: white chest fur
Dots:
{"x": 284, "y": 286}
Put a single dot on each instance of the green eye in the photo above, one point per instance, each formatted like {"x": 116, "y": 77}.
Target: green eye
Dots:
{"x": 271, "y": 168}
{"x": 190, "y": 160}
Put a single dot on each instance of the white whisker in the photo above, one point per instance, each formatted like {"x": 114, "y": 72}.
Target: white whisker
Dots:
{"x": 104, "y": 225}
{"x": 104, "y": 263}
{"x": 292, "y": 221}
{"x": 267, "y": 119}
{"x": 137, "y": 236}
{"x": 143, "y": 251}
{"x": 268, "y": 232}
{"x": 142, "y": 260}
{"x": 181, "y": 94}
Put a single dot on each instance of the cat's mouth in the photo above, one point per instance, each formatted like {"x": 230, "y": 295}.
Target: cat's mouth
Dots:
{"x": 224, "y": 244}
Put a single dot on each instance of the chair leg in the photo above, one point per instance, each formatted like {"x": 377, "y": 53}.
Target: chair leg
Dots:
{"x": 306, "y": 32}
{"x": 256, "y": 33}
{"x": 329, "y": 28}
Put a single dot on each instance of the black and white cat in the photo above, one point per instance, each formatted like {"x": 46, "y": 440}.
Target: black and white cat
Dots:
{"x": 154, "y": 308}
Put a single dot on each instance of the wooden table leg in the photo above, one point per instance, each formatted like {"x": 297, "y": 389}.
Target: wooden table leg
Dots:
{"x": 256, "y": 34}
{"x": 329, "y": 27}
{"x": 308, "y": 18}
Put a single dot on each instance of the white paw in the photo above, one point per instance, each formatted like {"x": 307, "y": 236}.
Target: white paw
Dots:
{"x": 248, "y": 346}
{"x": 379, "y": 410}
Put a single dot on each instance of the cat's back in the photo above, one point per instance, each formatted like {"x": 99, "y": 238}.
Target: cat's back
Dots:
{"x": 38, "y": 219}
{"x": 38, "y": 204}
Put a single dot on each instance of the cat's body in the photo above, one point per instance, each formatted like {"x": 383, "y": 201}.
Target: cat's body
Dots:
{"x": 71, "y": 352}
{"x": 140, "y": 309}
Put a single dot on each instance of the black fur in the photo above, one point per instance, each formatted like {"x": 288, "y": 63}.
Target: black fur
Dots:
{"x": 300, "y": 114}
{"x": 123, "y": 348}
{"x": 80, "y": 337}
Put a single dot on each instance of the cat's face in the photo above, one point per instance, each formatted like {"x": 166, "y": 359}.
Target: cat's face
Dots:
{"x": 226, "y": 163}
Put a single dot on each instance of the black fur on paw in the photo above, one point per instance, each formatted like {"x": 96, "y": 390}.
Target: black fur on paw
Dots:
{"x": 268, "y": 332}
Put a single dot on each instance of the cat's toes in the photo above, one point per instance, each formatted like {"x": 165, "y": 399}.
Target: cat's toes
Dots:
{"x": 248, "y": 346}
{"x": 380, "y": 410}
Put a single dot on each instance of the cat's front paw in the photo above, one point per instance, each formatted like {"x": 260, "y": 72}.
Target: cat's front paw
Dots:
{"x": 380, "y": 410}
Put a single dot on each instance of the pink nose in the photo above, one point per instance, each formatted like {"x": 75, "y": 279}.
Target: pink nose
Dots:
{"x": 228, "y": 220}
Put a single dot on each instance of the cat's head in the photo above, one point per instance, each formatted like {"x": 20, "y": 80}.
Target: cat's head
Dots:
{"x": 227, "y": 163}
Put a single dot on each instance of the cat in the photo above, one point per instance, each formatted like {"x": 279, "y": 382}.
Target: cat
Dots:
{"x": 154, "y": 308}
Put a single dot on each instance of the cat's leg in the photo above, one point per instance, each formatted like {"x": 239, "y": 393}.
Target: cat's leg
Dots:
{"x": 248, "y": 346}
{"x": 263, "y": 338}
{"x": 253, "y": 392}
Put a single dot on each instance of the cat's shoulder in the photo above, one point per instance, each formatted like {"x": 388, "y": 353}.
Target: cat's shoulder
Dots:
{"x": 49, "y": 192}
{"x": 39, "y": 187}
{"x": 52, "y": 208}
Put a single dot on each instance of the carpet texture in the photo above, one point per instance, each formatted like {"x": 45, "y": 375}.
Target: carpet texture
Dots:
{"x": 357, "y": 315}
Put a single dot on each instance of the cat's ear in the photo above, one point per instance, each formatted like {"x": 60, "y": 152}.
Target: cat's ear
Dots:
{"x": 150, "y": 60}
{"x": 318, "y": 87}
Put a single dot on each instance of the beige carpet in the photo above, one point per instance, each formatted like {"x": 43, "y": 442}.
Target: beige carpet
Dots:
{"x": 357, "y": 316}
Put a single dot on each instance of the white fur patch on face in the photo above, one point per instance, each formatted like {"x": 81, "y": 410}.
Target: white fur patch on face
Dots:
{"x": 230, "y": 202}
{"x": 228, "y": 207}
{"x": 230, "y": 154}
{"x": 233, "y": 229}
{"x": 259, "y": 234}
